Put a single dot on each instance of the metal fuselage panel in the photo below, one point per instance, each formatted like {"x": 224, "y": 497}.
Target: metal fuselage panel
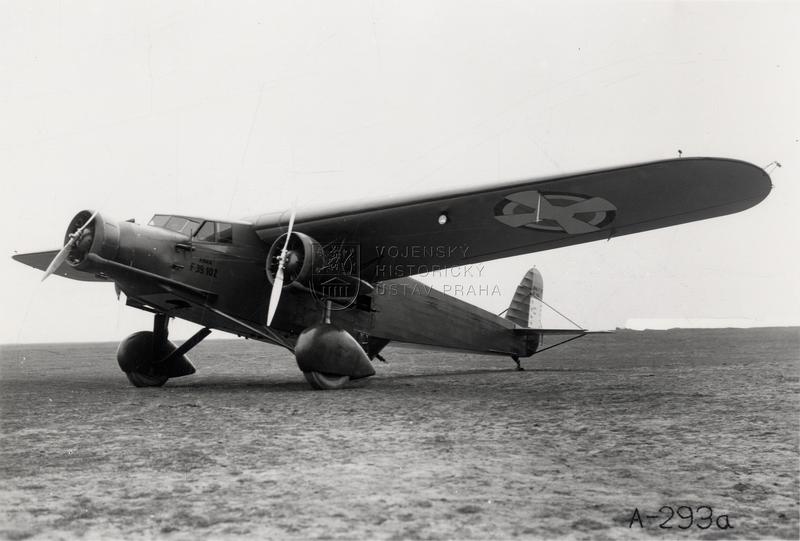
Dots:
{"x": 233, "y": 273}
{"x": 406, "y": 310}
{"x": 233, "y": 277}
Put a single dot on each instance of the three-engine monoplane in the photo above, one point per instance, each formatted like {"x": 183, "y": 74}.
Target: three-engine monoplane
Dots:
{"x": 334, "y": 285}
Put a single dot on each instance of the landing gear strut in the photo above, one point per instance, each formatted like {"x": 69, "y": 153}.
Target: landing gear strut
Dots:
{"x": 149, "y": 359}
{"x": 519, "y": 363}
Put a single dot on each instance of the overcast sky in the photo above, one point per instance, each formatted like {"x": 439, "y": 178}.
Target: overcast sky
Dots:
{"x": 239, "y": 108}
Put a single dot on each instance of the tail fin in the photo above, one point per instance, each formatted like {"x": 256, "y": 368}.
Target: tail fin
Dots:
{"x": 526, "y": 307}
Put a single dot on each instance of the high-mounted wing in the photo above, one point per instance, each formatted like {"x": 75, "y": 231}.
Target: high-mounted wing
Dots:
{"x": 403, "y": 237}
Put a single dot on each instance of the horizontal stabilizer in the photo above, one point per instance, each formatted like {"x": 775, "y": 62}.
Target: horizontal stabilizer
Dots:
{"x": 530, "y": 332}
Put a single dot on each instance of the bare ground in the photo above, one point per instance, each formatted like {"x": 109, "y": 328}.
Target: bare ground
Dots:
{"x": 436, "y": 446}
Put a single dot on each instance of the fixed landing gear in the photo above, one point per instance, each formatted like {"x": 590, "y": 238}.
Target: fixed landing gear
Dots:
{"x": 149, "y": 359}
{"x": 325, "y": 382}
{"x": 515, "y": 358}
{"x": 329, "y": 356}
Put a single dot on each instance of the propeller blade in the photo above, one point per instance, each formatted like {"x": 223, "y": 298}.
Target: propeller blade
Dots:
{"x": 275, "y": 295}
{"x": 61, "y": 256}
{"x": 288, "y": 235}
{"x": 291, "y": 225}
{"x": 84, "y": 226}
{"x": 277, "y": 286}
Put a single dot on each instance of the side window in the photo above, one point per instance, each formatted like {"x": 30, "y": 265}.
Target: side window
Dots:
{"x": 224, "y": 233}
{"x": 192, "y": 227}
{"x": 206, "y": 232}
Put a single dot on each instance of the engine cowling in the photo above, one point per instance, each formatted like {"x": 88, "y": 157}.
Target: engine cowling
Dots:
{"x": 304, "y": 256}
{"x": 100, "y": 237}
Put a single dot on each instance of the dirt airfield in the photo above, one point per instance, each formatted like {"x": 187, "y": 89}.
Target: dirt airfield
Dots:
{"x": 436, "y": 446}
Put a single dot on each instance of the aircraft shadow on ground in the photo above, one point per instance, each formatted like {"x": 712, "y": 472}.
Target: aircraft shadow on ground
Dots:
{"x": 263, "y": 383}
{"x": 222, "y": 383}
{"x": 481, "y": 371}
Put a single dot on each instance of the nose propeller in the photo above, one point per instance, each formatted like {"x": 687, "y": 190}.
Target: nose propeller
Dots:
{"x": 62, "y": 255}
{"x": 277, "y": 285}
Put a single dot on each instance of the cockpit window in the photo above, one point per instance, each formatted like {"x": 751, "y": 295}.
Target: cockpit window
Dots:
{"x": 224, "y": 233}
{"x": 158, "y": 220}
{"x": 206, "y": 232}
{"x": 215, "y": 232}
{"x": 182, "y": 225}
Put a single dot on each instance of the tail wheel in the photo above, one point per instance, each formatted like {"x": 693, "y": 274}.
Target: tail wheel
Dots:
{"x": 325, "y": 382}
{"x": 143, "y": 380}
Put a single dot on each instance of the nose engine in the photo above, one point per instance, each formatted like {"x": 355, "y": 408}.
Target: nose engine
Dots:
{"x": 85, "y": 235}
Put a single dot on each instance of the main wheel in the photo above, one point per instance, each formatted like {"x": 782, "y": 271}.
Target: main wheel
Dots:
{"x": 134, "y": 356}
{"x": 325, "y": 382}
{"x": 143, "y": 380}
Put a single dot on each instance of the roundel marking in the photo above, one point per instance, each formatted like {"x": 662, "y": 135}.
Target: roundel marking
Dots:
{"x": 572, "y": 214}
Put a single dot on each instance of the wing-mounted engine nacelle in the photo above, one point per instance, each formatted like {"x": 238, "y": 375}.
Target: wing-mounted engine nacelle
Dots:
{"x": 100, "y": 236}
{"x": 304, "y": 256}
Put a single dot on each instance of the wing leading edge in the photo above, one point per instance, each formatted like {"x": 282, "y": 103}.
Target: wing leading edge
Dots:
{"x": 403, "y": 237}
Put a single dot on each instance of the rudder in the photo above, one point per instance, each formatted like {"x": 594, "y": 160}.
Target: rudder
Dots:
{"x": 526, "y": 306}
